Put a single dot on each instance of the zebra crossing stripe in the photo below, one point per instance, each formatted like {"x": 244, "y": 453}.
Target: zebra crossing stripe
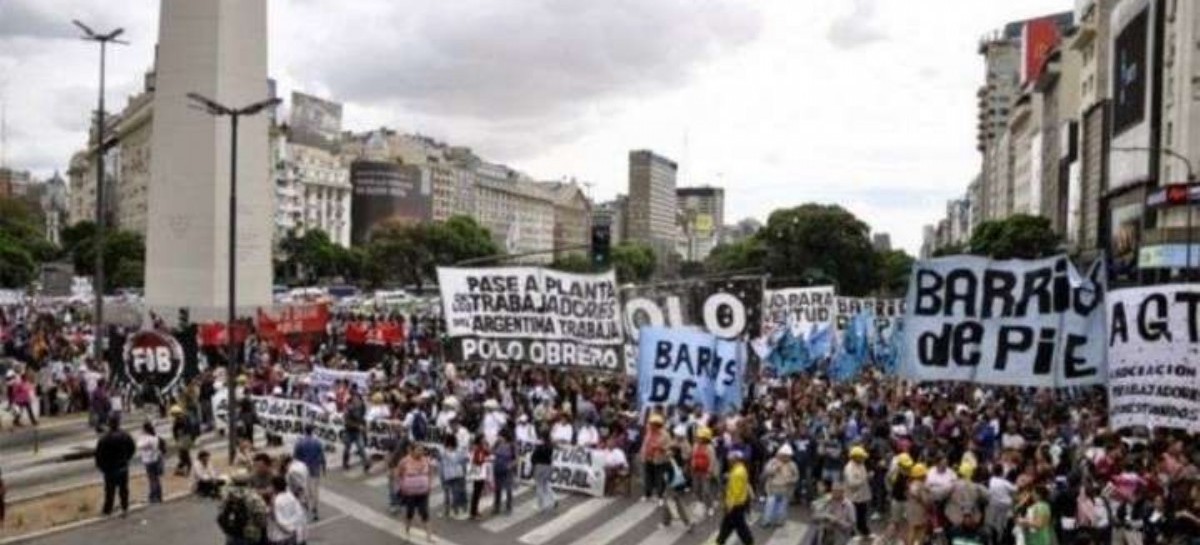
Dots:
{"x": 630, "y": 517}
{"x": 370, "y": 517}
{"x": 667, "y": 535}
{"x": 378, "y": 481}
{"x": 565, "y": 521}
{"x": 792, "y": 533}
{"x": 521, "y": 512}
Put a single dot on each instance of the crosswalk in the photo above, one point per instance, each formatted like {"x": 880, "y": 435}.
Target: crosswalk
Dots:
{"x": 577, "y": 519}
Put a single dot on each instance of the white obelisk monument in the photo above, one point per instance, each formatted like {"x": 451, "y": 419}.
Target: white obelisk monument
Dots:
{"x": 217, "y": 48}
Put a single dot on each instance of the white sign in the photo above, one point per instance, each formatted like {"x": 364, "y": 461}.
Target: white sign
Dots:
{"x": 324, "y": 378}
{"x": 573, "y": 468}
{"x": 533, "y": 315}
{"x": 1032, "y": 323}
{"x": 1153, "y": 367}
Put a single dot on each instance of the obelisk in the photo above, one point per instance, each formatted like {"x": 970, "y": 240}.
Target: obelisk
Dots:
{"x": 217, "y": 48}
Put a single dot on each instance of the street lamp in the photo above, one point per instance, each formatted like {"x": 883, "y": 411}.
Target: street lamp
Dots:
{"x": 1191, "y": 182}
{"x": 216, "y": 109}
{"x": 101, "y": 145}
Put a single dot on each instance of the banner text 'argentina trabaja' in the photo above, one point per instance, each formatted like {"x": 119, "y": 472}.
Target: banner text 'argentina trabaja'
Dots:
{"x": 533, "y": 315}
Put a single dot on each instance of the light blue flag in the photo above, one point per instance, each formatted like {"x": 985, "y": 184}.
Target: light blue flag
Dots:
{"x": 688, "y": 367}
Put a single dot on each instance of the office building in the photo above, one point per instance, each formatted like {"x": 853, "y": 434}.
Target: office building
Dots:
{"x": 702, "y": 211}
{"x": 653, "y": 205}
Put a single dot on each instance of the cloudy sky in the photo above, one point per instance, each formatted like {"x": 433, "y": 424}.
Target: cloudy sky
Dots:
{"x": 864, "y": 103}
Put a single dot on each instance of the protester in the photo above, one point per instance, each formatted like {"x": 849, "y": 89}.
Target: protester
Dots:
{"x": 287, "y": 520}
{"x": 113, "y": 451}
{"x": 355, "y": 432}
{"x": 243, "y": 513}
{"x": 309, "y": 451}
{"x": 675, "y": 489}
{"x": 414, "y": 480}
{"x": 542, "y": 459}
{"x": 453, "y": 468}
{"x": 184, "y": 431}
{"x": 151, "y": 449}
{"x": 205, "y": 480}
{"x": 858, "y": 488}
{"x": 780, "y": 477}
{"x": 504, "y": 468}
{"x": 738, "y": 496}
{"x": 835, "y": 517}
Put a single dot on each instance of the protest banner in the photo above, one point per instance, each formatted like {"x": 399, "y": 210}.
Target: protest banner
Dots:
{"x": 1035, "y": 323}
{"x": 533, "y": 315}
{"x": 324, "y": 378}
{"x": 678, "y": 366}
{"x": 572, "y": 468}
{"x": 287, "y": 418}
{"x": 1153, "y": 369}
{"x": 152, "y": 361}
{"x": 798, "y": 305}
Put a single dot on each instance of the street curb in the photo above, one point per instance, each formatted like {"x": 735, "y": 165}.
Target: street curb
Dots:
{"x": 87, "y": 522}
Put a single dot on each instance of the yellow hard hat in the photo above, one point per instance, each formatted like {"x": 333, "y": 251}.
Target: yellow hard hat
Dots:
{"x": 918, "y": 471}
{"x": 904, "y": 460}
{"x": 176, "y": 409}
{"x": 966, "y": 470}
{"x": 242, "y": 379}
{"x": 704, "y": 433}
{"x": 377, "y": 398}
{"x": 858, "y": 453}
{"x": 656, "y": 419}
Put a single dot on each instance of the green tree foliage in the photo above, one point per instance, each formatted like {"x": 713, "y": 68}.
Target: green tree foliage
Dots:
{"x": 1017, "y": 237}
{"x": 124, "y": 254}
{"x": 409, "y": 253}
{"x": 23, "y": 244}
{"x": 574, "y": 262}
{"x": 633, "y": 262}
{"x": 812, "y": 237}
{"x": 312, "y": 256}
{"x": 895, "y": 267}
{"x": 746, "y": 254}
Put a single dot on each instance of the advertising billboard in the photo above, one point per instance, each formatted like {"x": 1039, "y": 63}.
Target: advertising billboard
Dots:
{"x": 385, "y": 191}
{"x": 1037, "y": 41}
{"x": 315, "y": 122}
{"x": 1132, "y": 93}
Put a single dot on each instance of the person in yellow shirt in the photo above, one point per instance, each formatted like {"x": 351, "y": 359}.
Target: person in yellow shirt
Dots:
{"x": 738, "y": 495}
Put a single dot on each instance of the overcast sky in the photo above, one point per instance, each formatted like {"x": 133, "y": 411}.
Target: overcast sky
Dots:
{"x": 866, "y": 103}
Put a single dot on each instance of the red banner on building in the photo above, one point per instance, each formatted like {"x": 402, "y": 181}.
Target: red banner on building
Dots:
{"x": 378, "y": 333}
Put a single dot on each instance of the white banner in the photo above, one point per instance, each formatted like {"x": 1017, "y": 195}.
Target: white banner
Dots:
{"x": 1153, "y": 367}
{"x": 533, "y": 315}
{"x": 287, "y": 418}
{"x": 573, "y": 468}
{"x": 324, "y": 378}
{"x": 1032, "y": 323}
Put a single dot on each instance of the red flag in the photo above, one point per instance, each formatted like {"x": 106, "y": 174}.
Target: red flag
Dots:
{"x": 356, "y": 333}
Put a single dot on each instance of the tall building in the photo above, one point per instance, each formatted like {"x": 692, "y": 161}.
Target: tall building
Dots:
{"x": 520, "y": 217}
{"x": 13, "y": 183}
{"x": 612, "y": 213}
{"x": 312, "y": 182}
{"x": 702, "y": 210}
{"x": 882, "y": 242}
{"x": 572, "y": 216}
{"x": 652, "y": 202}
{"x": 1091, "y": 41}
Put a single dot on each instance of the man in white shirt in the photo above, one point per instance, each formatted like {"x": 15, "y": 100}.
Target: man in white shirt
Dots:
{"x": 493, "y": 421}
{"x": 940, "y": 479}
{"x": 525, "y": 432}
{"x": 288, "y": 519}
{"x": 297, "y": 480}
{"x": 562, "y": 433}
{"x": 588, "y": 435}
{"x": 150, "y": 448}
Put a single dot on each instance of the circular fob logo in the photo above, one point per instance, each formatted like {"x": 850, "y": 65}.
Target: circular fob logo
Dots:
{"x": 153, "y": 359}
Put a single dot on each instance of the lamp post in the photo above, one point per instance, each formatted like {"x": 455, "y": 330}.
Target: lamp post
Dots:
{"x": 1191, "y": 182}
{"x": 216, "y": 109}
{"x": 101, "y": 145}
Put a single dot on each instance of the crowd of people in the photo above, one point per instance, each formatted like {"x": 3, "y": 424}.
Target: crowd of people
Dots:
{"x": 872, "y": 459}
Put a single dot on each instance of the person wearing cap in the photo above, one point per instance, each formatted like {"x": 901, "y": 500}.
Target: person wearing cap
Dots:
{"x": 858, "y": 488}
{"x": 963, "y": 508}
{"x": 780, "y": 477}
{"x": 897, "y": 485}
{"x": 738, "y": 495}
{"x": 184, "y": 432}
{"x": 704, "y": 469}
{"x": 920, "y": 505}
{"x": 243, "y": 512}
{"x": 656, "y": 448}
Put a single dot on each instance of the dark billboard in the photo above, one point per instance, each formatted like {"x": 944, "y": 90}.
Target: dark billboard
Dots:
{"x": 387, "y": 191}
{"x": 315, "y": 122}
{"x": 1129, "y": 73}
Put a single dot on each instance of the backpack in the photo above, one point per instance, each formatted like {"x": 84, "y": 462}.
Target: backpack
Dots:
{"x": 420, "y": 427}
{"x": 701, "y": 463}
{"x": 234, "y": 516}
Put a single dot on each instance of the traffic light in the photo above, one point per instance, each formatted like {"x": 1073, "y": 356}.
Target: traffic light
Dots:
{"x": 601, "y": 241}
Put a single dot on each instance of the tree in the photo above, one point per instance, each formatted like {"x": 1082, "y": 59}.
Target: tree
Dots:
{"x": 1021, "y": 236}
{"x": 124, "y": 254}
{"x": 691, "y": 269}
{"x": 950, "y": 249}
{"x": 820, "y": 238}
{"x": 895, "y": 266}
{"x": 634, "y": 262}
{"x": 23, "y": 244}
{"x": 410, "y": 252}
{"x": 742, "y": 255}
{"x": 574, "y": 262}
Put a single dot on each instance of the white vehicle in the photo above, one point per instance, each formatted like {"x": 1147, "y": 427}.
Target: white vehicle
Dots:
{"x": 392, "y": 297}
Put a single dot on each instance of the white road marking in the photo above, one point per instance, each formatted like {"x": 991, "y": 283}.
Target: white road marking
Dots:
{"x": 565, "y": 521}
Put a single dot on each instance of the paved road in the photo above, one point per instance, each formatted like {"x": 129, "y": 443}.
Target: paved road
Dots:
{"x": 354, "y": 510}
